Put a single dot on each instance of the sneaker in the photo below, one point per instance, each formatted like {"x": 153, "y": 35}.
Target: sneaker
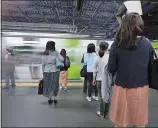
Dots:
{"x": 61, "y": 88}
{"x": 99, "y": 114}
{"x": 95, "y": 98}
{"x": 88, "y": 98}
{"x": 65, "y": 88}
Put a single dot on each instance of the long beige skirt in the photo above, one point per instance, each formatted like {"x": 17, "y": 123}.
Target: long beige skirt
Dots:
{"x": 63, "y": 77}
{"x": 129, "y": 107}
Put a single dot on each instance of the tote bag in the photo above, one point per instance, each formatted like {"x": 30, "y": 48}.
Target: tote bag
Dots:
{"x": 59, "y": 64}
{"x": 83, "y": 72}
{"x": 153, "y": 73}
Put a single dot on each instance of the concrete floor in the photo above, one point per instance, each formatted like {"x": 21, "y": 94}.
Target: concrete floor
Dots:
{"x": 22, "y": 107}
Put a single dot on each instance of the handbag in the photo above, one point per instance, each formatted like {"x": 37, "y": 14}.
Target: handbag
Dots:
{"x": 83, "y": 71}
{"x": 40, "y": 87}
{"x": 153, "y": 73}
{"x": 59, "y": 64}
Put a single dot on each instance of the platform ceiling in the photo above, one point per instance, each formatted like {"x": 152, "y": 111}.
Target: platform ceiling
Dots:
{"x": 97, "y": 17}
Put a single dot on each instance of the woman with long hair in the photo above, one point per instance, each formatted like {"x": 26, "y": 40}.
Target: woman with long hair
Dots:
{"x": 64, "y": 70}
{"x": 89, "y": 58}
{"x": 51, "y": 72}
{"x": 99, "y": 65}
{"x": 128, "y": 62}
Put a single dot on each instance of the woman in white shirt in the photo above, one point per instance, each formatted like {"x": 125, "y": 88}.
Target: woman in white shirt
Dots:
{"x": 99, "y": 65}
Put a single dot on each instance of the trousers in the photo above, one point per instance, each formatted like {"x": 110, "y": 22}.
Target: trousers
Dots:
{"x": 9, "y": 75}
{"x": 104, "y": 107}
{"x": 85, "y": 85}
{"x": 91, "y": 87}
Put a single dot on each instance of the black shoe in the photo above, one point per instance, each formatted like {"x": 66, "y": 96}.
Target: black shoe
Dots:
{"x": 55, "y": 102}
{"x": 50, "y": 102}
{"x": 106, "y": 117}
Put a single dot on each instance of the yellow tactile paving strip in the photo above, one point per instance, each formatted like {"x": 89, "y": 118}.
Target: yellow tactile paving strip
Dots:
{"x": 36, "y": 84}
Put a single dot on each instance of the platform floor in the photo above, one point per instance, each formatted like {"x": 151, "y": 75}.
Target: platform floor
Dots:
{"x": 22, "y": 107}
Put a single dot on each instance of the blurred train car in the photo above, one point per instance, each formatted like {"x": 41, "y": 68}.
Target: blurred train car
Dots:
{"x": 28, "y": 50}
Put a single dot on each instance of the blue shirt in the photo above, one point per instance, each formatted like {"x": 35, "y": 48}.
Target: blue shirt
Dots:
{"x": 88, "y": 60}
{"x": 130, "y": 67}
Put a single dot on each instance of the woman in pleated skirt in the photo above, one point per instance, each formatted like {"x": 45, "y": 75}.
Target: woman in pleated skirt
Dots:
{"x": 51, "y": 72}
{"x": 128, "y": 62}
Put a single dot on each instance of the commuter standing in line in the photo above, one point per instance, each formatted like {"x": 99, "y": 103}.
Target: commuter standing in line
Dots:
{"x": 63, "y": 79}
{"x": 51, "y": 72}
{"x": 9, "y": 68}
{"x": 99, "y": 64}
{"x": 85, "y": 78}
{"x": 128, "y": 60}
{"x": 89, "y": 58}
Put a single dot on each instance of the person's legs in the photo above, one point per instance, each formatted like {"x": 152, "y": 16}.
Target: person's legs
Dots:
{"x": 12, "y": 78}
{"x": 60, "y": 81}
{"x": 89, "y": 80}
{"x": 106, "y": 110}
{"x": 101, "y": 104}
{"x": 56, "y": 86}
{"x": 96, "y": 90}
{"x": 47, "y": 89}
{"x": 65, "y": 80}
{"x": 6, "y": 80}
{"x": 85, "y": 85}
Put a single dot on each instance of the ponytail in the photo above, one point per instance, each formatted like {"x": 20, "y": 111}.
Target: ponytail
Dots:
{"x": 101, "y": 53}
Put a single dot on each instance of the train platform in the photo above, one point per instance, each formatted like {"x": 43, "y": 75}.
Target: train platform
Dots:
{"x": 23, "y": 107}
{"x": 35, "y": 82}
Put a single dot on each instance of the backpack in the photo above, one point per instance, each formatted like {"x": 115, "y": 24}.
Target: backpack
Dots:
{"x": 67, "y": 62}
